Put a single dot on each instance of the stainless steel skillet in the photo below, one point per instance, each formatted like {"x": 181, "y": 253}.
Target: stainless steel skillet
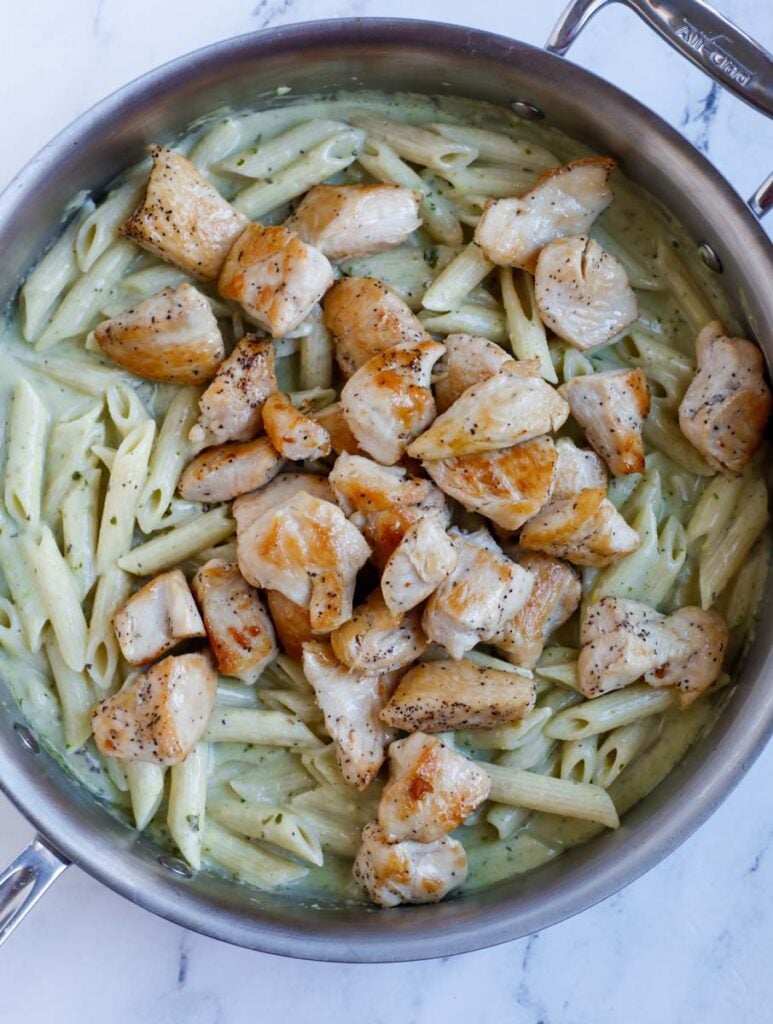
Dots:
{"x": 427, "y": 58}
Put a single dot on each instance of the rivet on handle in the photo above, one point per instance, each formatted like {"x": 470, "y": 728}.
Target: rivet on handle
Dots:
{"x": 26, "y": 737}
{"x": 709, "y": 257}
{"x": 528, "y": 111}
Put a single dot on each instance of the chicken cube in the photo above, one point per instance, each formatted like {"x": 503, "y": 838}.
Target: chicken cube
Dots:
{"x": 704, "y": 635}
{"x": 577, "y": 469}
{"x": 292, "y": 623}
{"x": 228, "y": 470}
{"x": 249, "y": 507}
{"x": 355, "y": 220}
{"x": 295, "y": 435}
{"x": 388, "y": 401}
{"x": 374, "y": 640}
{"x": 468, "y": 360}
{"x": 332, "y": 419}
{"x": 275, "y": 276}
{"x": 238, "y": 626}
{"x": 611, "y": 408}
{"x": 230, "y": 408}
{"x": 366, "y": 318}
{"x": 182, "y": 218}
{"x": 171, "y": 337}
{"x": 395, "y": 873}
{"x": 582, "y": 292}
{"x": 441, "y": 696}
{"x": 565, "y": 201}
{"x": 431, "y": 790}
{"x": 725, "y": 408}
{"x": 350, "y": 701}
{"x": 156, "y": 618}
{"x": 160, "y": 715}
{"x": 485, "y": 590}
{"x": 418, "y": 565}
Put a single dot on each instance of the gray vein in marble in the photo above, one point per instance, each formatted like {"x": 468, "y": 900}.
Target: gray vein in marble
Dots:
{"x": 268, "y": 11}
{"x": 183, "y": 960}
{"x": 703, "y": 118}
{"x": 526, "y": 998}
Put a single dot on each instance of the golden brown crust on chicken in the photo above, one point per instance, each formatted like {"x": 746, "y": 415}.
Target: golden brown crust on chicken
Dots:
{"x": 172, "y": 337}
{"x": 334, "y": 422}
{"x": 228, "y": 470}
{"x": 249, "y": 507}
{"x": 374, "y": 640}
{"x": 182, "y": 218}
{"x": 295, "y": 435}
{"x": 292, "y": 623}
{"x": 156, "y": 618}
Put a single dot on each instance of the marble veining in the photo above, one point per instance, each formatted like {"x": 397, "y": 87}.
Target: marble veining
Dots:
{"x": 689, "y": 942}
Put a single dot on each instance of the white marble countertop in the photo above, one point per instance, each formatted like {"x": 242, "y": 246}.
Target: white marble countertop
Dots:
{"x": 692, "y": 941}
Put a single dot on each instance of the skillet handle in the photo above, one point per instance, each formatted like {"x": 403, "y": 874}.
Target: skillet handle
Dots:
{"x": 25, "y": 880}
{"x": 706, "y": 38}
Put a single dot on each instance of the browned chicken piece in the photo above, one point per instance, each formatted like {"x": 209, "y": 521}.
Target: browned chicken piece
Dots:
{"x": 577, "y": 469}
{"x": 374, "y": 640}
{"x": 159, "y": 715}
{"x": 310, "y": 552}
{"x": 622, "y": 640}
{"x": 507, "y": 486}
{"x": 388, "y": 401}
{"x": 582, "y": 292}
{"x": 441, "y": 696}
{"x": 230, "y": 408}
{"x": 275, "y": 277}
{"x": 228, "y": 470}
{"x": 485, "y": 590}
{"x": 704, "y": 635}
{"x": 586, "y": 530}
{"x": 292, "y": 623}
{"x": 172, "y": 337}
{"x": 249, "y": 507}
{"x": 350, "y": 702}
{"x": 182, "y": 218}
{"x": 431, "y": 790}
{"x": 356, "y": 220}
{"x": 238, "y": 626}
{"x": 365, "y": 318}
{"x": 334, "y": 422}
{"x": 418, "y": 565}
{"x": 295, "y": 435}
{"x": 503, "y": 410}
{"x": 565, "y": 201}
{"x": 554, "y": 598}
{"x": 725, "y": 408}
{"x": 395, "y": 873}
{"x": 156, "y": 618}
{"x": 611, "y": 408}
{"x": 468, "y": 360}
{"x": 384, "y": 501}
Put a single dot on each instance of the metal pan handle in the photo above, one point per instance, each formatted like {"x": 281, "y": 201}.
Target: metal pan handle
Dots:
{"x": 25, "y": 880}
{"x": 705, "y": 37}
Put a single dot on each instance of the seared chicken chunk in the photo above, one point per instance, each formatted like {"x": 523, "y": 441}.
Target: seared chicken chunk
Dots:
{"x": 310, "y": 552}
{"x": 374, "y": 640}
{"x": 388, "y": 401}
{"x": 275, "y": 277}
{"x": 230, "y": 408}
{"x": 334, "y": 422}
{"x": 582, "y": 292}
{"x": 507, "y": 486}
{"x": 586, "y": 529}
{"x": 504, "y": 410}
{"x": 725, "y": 408}
{"x": 228, "y": 470}
{"x": 440, "y": 696}
{"x": 565, "y": 201}
{"x": 172, "y": 337}
{"x": 554, "y": 598}
{"x": 431, "y": 790}
{"x": 468, "y": 360}
{"x": 577, "y": 469}
{"x": 611, "y": 408}
{"x": 294, "y": 434}
{"x": 611, "y": 658}
{"x": 395, "y": 873}
{"x": 182, "y": 218}
{"x": 365, "y": 318}
{"x": 418, "y": 565}
{"x": 159, "y": 715}
{"x": 355, "y": 220}
{"x": 485, "y": 590}
{"x": 156, "y": 618}
{"x": 292, "y": 623}
{"x": 238, "y": 626}
{"x": 249, "y": 507}
{"x": 350, "y": 701}
{"x": 704, "y": 636}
